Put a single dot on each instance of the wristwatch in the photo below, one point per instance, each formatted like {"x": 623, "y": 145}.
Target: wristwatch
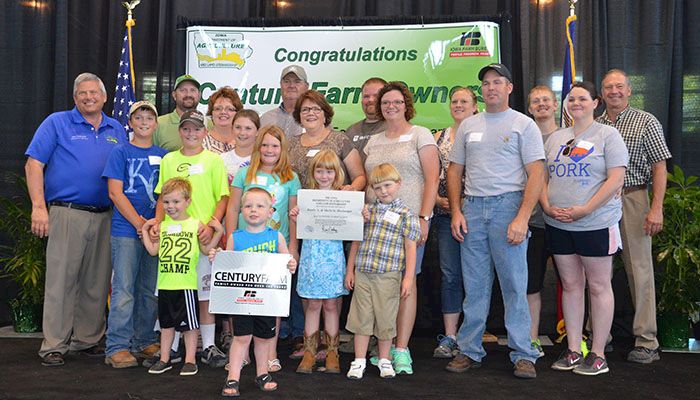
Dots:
{"x": 424, "y": 217}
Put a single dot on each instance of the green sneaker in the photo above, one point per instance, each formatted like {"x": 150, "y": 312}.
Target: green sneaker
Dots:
{"x": 537, "y": 345}
{"x": 374, "y": 359}
{"x": 402, "y": 362}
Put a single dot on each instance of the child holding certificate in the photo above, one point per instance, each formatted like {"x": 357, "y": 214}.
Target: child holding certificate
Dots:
{"x": 322, "y": 273}
{"x": 257, "y": 236}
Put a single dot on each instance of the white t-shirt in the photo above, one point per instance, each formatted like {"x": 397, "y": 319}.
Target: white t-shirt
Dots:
{"x": 233, "y": 163}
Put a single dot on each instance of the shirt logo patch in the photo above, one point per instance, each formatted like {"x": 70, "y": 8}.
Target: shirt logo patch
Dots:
{"x": 112, "y": 139}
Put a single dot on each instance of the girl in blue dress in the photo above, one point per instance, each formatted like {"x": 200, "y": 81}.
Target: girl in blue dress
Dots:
{"x": 322, "y": 273}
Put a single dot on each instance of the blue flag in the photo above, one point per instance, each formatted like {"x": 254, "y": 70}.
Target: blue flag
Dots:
{"x": 569, "y": 70}
{"x": 124, "y": 95}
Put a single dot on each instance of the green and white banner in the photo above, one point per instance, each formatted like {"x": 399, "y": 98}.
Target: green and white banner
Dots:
{"x": 430, "y": 59}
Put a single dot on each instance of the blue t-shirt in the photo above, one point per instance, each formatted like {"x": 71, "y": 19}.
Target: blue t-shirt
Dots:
{"x": 75, "y": 156}
{"x": 137, "y": 168}
{"x": 261, "y": 242}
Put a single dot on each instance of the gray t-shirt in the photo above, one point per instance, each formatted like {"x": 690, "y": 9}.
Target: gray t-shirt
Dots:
{"x": 278, "y": 116}
{"x": 576, "y": 177}
{"x": 360, "y": 132}
{"x": 537, "y": 217}
{"x": 402, "y": 153}
{"x": 494, "y": 149}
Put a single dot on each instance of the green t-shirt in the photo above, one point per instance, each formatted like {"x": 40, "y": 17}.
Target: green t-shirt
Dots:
{"x": 280, "y": 192}
{"x": 178, "y": 254}
{"x": 207, "y": 175}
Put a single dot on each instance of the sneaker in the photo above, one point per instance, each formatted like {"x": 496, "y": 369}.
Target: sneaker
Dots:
{"x": 159, "y": 367}
{"x": 568, "y": 360}
{"x": 386, "y": 370}
{"x": 447, "y": 347}
{"x": 461, "y": 363}
{"x": 189, "y": 369}
{"x": 525, "y": 369}
{"x": 213, "y": 357}
{"x": 592, "y": 365}
{"x": 402, "y": 362}
{"x": 537, "y": 345}
{"x": 175, "y": 357}
{"x": 225, "y": 340}
{"x": 357, "y": 370}
{"x": 643, "y": 355}
{"x": 374, "y": 356}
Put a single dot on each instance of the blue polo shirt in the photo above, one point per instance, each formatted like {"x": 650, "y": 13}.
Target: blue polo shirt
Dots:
{"x": 75, "y": 156}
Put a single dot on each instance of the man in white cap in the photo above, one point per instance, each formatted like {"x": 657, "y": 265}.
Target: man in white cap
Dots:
{"x": 293, "y": 83}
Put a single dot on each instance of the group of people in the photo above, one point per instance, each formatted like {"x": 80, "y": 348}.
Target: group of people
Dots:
{"x": 503, "y": 192}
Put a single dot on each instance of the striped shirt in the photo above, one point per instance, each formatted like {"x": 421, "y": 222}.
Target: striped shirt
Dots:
{"x": 383, "y": 247}
{"x": 644, "y": 137}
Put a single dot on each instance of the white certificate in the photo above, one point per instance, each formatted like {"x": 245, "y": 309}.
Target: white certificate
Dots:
{"x": 250, "y": 284}
{"x": 330, "y": 214}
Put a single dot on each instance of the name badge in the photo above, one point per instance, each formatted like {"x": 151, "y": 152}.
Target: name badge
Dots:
{"x": 475, "y": 136}
{"x": 312, "y": 152}
{"x": 391, "y": 217}
{"x": 196, "y": 169}
{"x": 261, "y": 180}
{"x": 584, "y": 145}
{"x": 173, "y": 229}
{"x": 154, "y": 160}
{"x": 405, "y": 138}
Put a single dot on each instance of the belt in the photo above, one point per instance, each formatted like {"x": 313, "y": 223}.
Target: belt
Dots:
{"x": 630, "y": 189}
{"x": 81, "y": 207}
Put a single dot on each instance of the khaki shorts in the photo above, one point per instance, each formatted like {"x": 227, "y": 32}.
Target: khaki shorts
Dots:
{"x": 375, "y": 304}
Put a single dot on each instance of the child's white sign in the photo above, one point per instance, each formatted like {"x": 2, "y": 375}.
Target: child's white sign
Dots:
{"x": 250, "y": 284}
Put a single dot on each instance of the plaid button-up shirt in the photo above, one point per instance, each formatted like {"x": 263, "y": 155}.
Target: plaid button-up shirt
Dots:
{"x": 383, "y": 247}
{"x": 644, "y": 137}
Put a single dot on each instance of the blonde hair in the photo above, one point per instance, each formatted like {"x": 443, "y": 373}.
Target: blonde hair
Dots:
{"x": 258, "y": 190}
{"x": 326, "y": 159}
{"x": 384, "y": 172}
{"x": 177, "y": 184}
{"x": 282, "y": 169}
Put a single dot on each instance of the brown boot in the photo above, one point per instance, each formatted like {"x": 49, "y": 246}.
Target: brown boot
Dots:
{"x": 332, "y": 359}
{"x": 121, "y": 359}
{"x": 308, "y": 362}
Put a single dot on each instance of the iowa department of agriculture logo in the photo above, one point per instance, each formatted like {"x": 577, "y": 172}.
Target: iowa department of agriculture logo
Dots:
{"x": 221, "y": 49}
{"x": 471, "y": 44}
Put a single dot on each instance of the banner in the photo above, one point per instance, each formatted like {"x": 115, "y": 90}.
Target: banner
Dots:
{"x": 250, "y": 284}
{"x": 430, "y": 59}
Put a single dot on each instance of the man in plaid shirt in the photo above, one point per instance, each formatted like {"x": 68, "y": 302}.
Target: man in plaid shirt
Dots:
{"x": 644, "y": 137}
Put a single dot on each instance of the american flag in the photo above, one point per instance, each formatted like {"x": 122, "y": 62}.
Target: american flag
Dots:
{"x": 124, "y": 95}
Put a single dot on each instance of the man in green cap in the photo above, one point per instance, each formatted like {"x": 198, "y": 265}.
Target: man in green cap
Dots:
{"x": 186, "y": 95}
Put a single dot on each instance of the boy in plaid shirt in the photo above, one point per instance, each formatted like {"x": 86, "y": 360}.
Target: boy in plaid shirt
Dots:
{"x": 380, "y": 270}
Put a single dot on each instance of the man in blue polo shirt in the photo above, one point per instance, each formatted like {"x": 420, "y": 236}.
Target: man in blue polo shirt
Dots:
{"x": 71, "y": 206}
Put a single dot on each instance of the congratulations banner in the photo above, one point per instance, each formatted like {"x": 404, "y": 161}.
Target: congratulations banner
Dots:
{"x": 430, "y": 59}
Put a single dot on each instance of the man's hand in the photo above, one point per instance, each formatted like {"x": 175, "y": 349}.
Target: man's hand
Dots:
{"x": 517, "y": 231}
{"x": 40, "y": 222}
{"x": 459, "y": 226}
{"x": 653, "y": 223}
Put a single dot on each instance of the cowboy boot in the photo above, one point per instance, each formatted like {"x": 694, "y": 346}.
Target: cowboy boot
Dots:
{"x": 332, "y": 358}
{"x": 308, "y": 362}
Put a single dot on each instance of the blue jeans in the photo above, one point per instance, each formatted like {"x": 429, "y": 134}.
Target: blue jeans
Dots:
{"x": 451, "y": 286}
{"x": 133, "y": 306}
{"x": 486, "y": 241}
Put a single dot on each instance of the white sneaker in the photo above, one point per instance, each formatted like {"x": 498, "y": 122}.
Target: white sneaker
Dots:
{"x": 357, "y": 370}
{"x": 385, "y": 368}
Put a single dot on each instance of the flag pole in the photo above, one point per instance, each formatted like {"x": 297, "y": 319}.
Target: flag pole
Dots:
{"x": 130, "y": 21}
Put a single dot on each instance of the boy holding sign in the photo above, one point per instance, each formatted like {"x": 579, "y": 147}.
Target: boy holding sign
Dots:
{"x": 178, "y": 255}
{"x": 380, "y": 270}
{"x": 256, "y": 209}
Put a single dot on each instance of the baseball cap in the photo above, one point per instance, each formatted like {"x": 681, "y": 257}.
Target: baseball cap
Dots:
{"x": 142, "y": 104}
{"x": 193, "y": 116}
{"x": 185, "y": 78}
{"x": 500, "y": 69}
{"x": 296, "y": 70}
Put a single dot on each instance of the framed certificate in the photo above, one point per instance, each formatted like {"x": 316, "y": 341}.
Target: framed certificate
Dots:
{"x": 330, "y": 214}
{"x": 250, "y": 284}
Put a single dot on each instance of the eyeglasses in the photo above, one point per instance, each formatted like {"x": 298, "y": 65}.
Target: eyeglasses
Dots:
{"x": 395, "y": 103}
{"x": 222, "y": 108}
{"x": 315, "y": 110}
{"x": 569, "y": 147}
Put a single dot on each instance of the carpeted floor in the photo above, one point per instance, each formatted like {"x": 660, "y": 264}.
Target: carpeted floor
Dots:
{"x": 675, "y": 376}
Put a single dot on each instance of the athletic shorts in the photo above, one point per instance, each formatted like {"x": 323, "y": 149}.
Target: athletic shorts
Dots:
{"x": 178, "y": 309}
{"x": 260, "y": 327}
{"x": 597, "y": 243}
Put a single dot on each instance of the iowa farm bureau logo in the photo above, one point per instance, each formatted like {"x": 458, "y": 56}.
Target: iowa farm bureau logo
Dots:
{"x": 471, "y": 44}
{"x": 216, "y": 49}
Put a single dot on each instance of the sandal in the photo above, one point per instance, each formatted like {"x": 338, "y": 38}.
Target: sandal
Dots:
{"x": 274, "y": 365}
{"x": 264, "y": 380}
{"x": 245, "y": 362}
{"x": 231, "y": 384}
